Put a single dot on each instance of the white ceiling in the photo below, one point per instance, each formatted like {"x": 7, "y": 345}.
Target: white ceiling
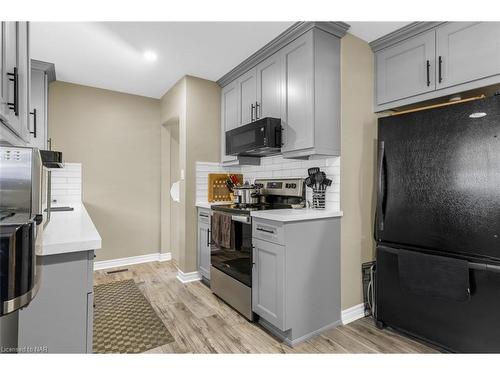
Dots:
{"x": 109, "y": 55}
{"x": 369, "y": 31}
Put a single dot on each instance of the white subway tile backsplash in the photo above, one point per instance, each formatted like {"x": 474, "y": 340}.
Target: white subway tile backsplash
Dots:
{"x": 276, "y": 167}
{"x": 67, "y": 184}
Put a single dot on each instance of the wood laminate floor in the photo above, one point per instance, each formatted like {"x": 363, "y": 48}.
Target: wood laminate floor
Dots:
{"x": 202, "y": 323}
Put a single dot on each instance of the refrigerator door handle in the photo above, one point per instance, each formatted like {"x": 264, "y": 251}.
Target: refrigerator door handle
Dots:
{"x": 381, "y": 187}
{"x": 484, "y": 267}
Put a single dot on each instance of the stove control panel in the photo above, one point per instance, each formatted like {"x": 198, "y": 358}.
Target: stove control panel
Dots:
{"x": 291, "y": 187}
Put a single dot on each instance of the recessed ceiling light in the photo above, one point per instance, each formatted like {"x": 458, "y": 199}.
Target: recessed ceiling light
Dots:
{"x": 150, "y": 55}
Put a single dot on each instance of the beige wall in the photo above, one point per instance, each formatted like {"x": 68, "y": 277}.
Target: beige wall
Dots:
{"x": 194, "y": 104}
{"x": 357, "y": 169}
{"x": 116, "y": 137}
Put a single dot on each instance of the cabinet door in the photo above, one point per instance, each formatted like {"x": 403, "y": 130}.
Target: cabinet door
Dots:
{"x": 4, "y": 109}
{"x": 229, "y": 116}
{"x": 204, "y": 249}
{"x": 268, "y": 282}
{"x": 467, "y": 51}
{"x": 11, "y": 36}
{"x": 406, "y": 69}
{"x": 269, "y": 87}
{"x": 24, "y": 78}
{"x": 298, "y": 94}
{"x": 247, "y": 87}
{"x": 38, "y": 124}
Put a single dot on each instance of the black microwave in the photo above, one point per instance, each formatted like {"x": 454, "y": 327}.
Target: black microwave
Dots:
{"x": 259, "y": 138}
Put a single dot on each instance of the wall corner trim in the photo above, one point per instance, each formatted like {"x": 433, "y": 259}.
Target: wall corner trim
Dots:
{"x": 188, "y": 277}
{"x": 121, "y": 262}
{"x": 353, "y": 313}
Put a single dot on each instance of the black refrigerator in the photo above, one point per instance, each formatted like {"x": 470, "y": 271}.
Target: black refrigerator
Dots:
{"x": 437, "y": 225}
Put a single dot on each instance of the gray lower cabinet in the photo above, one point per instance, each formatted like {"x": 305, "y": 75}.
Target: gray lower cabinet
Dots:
{"x": 296, "y": 276}
{"x": 204, "y": 242}
{"x": 60, "y": 317}
{"x": 268, "y": 282}
{"x": 406, "y": 69}
{"x": 467, "y": 51}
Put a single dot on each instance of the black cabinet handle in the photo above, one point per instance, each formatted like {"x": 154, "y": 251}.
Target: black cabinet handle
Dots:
{"x": 265, "y": 230}
{"x": 439, "y": 68}
{"x": 252, "y": 108}
{"x": 34, "y": 122}
{"x": 14, "y": 105}
{"x": 257, "y": 106}
{"x": 428, "y": 65}
{"x": 208, "y": 237}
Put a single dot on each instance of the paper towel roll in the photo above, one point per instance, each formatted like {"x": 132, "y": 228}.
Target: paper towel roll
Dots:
{"x": 175, "y": 192}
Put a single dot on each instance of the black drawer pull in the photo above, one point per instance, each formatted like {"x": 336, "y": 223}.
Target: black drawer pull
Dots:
{"x": 266, "y": 230}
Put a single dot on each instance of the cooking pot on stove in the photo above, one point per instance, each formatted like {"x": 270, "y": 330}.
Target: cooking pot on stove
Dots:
{"x": 246, "y": 194}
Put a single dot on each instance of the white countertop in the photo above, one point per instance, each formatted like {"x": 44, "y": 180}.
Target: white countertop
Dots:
{"x": 301, "y": 214}
{"x": 70, "y": 231}
{"x": 208, "y": 204}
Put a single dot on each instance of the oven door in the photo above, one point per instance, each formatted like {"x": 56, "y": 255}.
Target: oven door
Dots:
{"x": 236, "y": 260}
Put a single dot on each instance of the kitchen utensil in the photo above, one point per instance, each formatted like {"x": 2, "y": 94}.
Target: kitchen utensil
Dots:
{"x": 327, "y": 182}
{"x": 299, "y": 205}
{"x": 309, "y": 182}
{"x": 246, "y": 194}
{"x": 313, "y": 171}
{"x": 319, "y": 177}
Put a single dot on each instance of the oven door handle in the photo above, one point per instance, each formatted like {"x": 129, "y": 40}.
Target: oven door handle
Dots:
{"x": 241, "y": 219}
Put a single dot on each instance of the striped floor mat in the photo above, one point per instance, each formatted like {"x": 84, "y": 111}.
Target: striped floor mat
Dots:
{"x": 124, "y": 320}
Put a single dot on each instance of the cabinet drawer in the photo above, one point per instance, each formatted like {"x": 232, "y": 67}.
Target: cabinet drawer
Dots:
{"x": 203, "y": 216}
{"x": 267, "y": 230}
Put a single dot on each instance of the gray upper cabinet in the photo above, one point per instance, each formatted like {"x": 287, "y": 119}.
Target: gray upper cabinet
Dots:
{"x": 15, "y": 78}
{"x": 229, "y": 116}
{"x": 467, "y": 51}
{"x": 406, "y": 69}
{"x": 247, "y": 87}
{"x": 268, "y": 282}
{"x": 39, "y": 91}
{"x": 269, "y": 78}
{"x": 428, "y": 60}
{"x": 296, "y": 78}
{"x": 298, "y": 94}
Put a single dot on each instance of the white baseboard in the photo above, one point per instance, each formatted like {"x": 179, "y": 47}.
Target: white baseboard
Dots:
{"x": 353, "y": 313}
{"x": 188, "y": 277}
{"x": 155, "y": 257}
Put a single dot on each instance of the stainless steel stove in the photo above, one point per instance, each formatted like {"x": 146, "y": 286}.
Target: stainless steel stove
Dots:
{"x": 231, "y": 258}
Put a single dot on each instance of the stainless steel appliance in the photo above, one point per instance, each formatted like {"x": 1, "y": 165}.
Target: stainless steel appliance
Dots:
{"x": 231, "y": 270}
{"x": 246, "y": 194}
{"x": 259, "y": 138}
{"x": 21, "y": 216}
{"x": 24, "y": 196}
